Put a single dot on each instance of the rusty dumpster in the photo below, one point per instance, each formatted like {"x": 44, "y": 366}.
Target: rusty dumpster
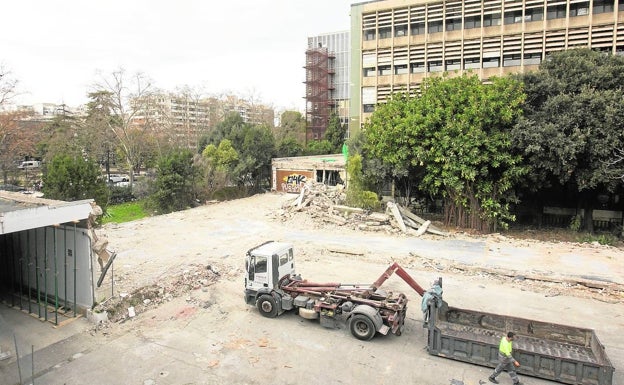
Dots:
{"x": 566, "y": 354}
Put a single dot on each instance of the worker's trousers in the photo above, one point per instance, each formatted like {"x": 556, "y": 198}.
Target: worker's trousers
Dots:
{"x": 506, "y": 363}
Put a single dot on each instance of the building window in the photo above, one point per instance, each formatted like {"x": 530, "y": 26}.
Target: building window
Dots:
{"x": 369, "y": 35}
{"x": 532, "y": 58}
{"x": 579, "y": 9}
{"x": 491, "y": 62}
{"x": 368, "y": 72}
{"x": 400, "y": 69}
{"x": 435, "y": 66}
{"x": 534, "y": 14}
{"x": 603, "y": 6}
{"x": 385, "y": 70}
{"x": 453, "y": 24}
{"x": 556, "y": 12}
{"x": 385, "y": 32}
{"x": 417, "y": 68}
{"x": 621, "y": 6}
{"x": 435, "y": 26}
{"x": 472, "y": 22}
{"x": 400, "y": 30}
{"x": 513, "y": 17}
{"x": 418, "y": 28}
{"x": 490, "y": 20}
{"x": 472, "y": 63}
{"x": 511, "y": 60}
{"x": 453, "y": 64}
{"x": 368, "y": 108}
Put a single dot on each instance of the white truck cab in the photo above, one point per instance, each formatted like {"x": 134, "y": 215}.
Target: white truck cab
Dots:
{"x": 264, "y": 266}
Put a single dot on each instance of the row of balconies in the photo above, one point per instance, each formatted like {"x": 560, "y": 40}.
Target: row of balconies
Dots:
{"x": 526, "y": 27}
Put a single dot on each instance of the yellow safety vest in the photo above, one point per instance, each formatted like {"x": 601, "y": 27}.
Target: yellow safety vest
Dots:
{"x": 505, "y": 347}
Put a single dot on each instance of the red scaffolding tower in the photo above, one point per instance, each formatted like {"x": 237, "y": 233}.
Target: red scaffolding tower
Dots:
{"x": 319, "y": 87}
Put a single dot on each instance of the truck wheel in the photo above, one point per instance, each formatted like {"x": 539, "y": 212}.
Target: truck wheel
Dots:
{"x": 267, "y": 306}
{"x": 362, "y": 327}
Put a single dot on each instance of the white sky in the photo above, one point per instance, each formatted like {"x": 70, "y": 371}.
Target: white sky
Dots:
{"x": 55, "y": 48}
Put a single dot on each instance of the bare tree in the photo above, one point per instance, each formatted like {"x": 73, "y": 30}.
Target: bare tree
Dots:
{"x": 129, "y": 98}
{"x": 17, "y": 140}
{"x": 8, "y": 85}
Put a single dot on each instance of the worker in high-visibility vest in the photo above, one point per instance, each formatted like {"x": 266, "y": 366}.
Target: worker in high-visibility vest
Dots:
{"x": 506, "y": 361}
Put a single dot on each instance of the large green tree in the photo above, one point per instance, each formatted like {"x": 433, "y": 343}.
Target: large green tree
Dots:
{"x": 255, "y": 146}
{"x": 72, "y": 178}
{"x": 175, "y": 182}
{"x": 290, "y": 134}
{"x": 336, "y": 133}
{"x": 456, "y": 136}
{"x": 573, "y": 124}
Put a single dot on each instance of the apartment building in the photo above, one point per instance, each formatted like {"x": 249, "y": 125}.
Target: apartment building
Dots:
{"x": 327, "y": 81}
{"x": 396, "y": 44}
{"x": 185, "y": 119}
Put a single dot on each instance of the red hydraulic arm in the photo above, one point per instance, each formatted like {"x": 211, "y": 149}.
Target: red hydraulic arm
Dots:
{"x": 401, "y": 273}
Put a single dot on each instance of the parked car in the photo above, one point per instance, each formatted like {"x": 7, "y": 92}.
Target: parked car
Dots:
{"x": 29, "y": 164}
{"x": 116, "y": 178}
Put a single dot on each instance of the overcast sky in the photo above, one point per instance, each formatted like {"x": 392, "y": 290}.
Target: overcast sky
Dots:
{"x": 55, "y": 48}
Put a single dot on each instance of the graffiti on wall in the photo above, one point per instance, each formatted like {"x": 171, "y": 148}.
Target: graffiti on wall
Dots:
{"x": 293, "y": 183}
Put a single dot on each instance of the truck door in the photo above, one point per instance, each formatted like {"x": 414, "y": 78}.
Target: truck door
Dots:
{"x": 258, "y": 275}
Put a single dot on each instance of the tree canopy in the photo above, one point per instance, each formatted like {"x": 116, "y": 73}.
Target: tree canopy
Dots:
{"x": 456, "y": 136}
{"x": 175, "y": 182}
{"x": 573, "y": 123}
{"x": 72, "y": 178}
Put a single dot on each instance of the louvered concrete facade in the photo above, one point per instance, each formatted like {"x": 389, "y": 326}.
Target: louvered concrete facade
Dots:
{"x": 396, "y": 44}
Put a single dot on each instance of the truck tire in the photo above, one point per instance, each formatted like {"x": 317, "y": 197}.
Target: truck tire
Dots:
{"x": 362, "y": 327}
{"x": 267, "y": 306}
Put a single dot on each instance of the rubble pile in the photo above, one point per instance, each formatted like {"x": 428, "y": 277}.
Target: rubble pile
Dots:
{"x": 127, "y": 305}
{"x": 324, "y": 203}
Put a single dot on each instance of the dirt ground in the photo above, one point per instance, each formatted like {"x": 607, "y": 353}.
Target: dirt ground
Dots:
{"x": 183, "y": 274}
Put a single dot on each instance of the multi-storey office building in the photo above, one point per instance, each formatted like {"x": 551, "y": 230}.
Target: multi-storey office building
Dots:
{"x": 396, "y": 44}
{"x": 327, "y": 81}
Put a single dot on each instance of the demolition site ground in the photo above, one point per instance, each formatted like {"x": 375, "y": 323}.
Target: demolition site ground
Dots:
{"x": 183, "y": 273}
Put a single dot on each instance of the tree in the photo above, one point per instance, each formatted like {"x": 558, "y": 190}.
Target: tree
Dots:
{"x": 72, "y": 178}
{"x": 573, "y": 124}
{"x": 218, "y": 165}
{"x": 8, "y": 85}
{"x": 175, "y": 182}
{"x": 254, "y": 144}
{"x": 17, "y": 141}
{"x": 456, "y": 136}
{"x": 102, "y": 144}
{"x": 336, "y": 133}
{"x": 290, "y": 135}
{"x": 319, "y": 147}
{"x": 256, "y": 151}
{"x": 126, "y": 99}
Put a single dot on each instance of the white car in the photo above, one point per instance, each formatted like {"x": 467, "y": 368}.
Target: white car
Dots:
{"x": 116, "y": 178}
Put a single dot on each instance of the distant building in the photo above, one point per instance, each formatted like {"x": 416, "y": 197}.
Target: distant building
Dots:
{"x": 396, "y": 44}
{"x": 327, "y": 81}
{"x": 185, "y": 119}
